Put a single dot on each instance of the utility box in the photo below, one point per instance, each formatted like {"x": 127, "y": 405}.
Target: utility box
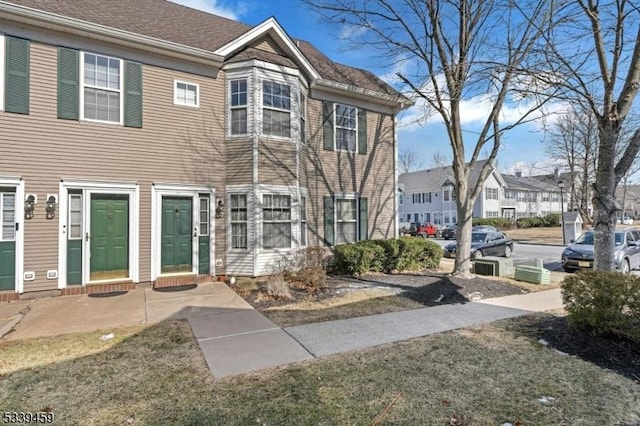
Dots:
{"x": 571, "y": 226}
{"x": 493, "y": 266}
{"x": 532, "y": 274}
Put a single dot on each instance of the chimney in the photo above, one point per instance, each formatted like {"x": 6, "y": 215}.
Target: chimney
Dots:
{"x": 556, "y": 172}
{"x": 519, "y": 173}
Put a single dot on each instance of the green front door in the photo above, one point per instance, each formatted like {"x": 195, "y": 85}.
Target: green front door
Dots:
{"x": 7, "y": 239}
{"x": 176, "y": 250}
{"x": 109, "y": 237}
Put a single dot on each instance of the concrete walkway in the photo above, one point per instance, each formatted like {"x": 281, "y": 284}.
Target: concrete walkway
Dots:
{"x": 235, "y": 338}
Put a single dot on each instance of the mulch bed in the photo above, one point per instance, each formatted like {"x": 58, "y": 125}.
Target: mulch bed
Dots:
{"x": 610, "y": 352}
{"x": 427, "y": 289}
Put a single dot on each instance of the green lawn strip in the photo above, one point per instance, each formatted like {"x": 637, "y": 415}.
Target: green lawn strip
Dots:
{"x": 485, "y": 375}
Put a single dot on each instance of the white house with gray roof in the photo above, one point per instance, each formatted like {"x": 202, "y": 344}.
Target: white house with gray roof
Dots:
{"x": 429, "y": 196}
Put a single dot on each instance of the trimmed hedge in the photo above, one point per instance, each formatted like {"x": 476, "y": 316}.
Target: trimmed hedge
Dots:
{"x": 498, "y": 222}
{"x": 603, "y": 303}
{"x": 403, "y": 254}
{"x": 552, "y": 219}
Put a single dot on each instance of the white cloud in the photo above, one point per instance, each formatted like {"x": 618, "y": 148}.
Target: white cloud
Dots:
{"x": 215, "y": 7}
{"x": 476, "y": 109}
{"x": 349, "y": 32}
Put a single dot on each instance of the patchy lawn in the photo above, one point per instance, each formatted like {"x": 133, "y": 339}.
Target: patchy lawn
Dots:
{"x": 488, "y": 374}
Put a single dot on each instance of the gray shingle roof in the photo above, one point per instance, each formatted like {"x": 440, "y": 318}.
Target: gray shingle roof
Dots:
{"x": 531, "y": 183}
{"x": 172, "y": 22}
{"x": 431, "y": 180}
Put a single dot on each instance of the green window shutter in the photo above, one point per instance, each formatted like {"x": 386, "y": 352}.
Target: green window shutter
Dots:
{"x": 363, "y": 224}
{"x": 327, "y": 125}
{"x": 362, "y": 131}
{"x": 68, "y": 83}
{"x": 17, "y": 79}
{"x": 329, "y": 228}
{"x": 133, "y": 94}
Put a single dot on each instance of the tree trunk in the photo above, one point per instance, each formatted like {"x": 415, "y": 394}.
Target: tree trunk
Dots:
{"x": 464, "y": 207}
{"x": 604, "y": 198}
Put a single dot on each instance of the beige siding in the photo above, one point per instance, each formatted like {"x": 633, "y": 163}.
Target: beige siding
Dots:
{"x": 176, "y": 145}
{"x": 277, "y": 163}
{"x": 239, "y": 156}
{"x": 371, "y": 175}
{"x": 268, "y": 45}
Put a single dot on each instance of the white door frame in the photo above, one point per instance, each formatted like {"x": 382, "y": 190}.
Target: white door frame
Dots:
{"x": 89, "y": 188}
{"x": 159, "y": 190}
{"x": 18, "y": 184}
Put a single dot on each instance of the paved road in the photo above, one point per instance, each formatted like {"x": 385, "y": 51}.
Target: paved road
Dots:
{"x": 528, "y": 253}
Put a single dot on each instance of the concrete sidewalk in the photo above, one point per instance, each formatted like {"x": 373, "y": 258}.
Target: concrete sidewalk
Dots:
{"x": 235, "y": 338}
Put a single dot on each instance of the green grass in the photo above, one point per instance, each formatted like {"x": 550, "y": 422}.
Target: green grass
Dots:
{"x": 485, "y": 375}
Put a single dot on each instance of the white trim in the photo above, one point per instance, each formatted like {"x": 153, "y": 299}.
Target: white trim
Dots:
{"x": 111, "y": 35}
{"x": 158, "y": 190}
{"x": 396, "y": 185}
{"x": 19, "y": 185}
{"x": 335, "y": 127}
{"x": 132, "y": 190}
{"x": 175, "y": 93}
{"x": 396, "y": 103}
{"x": 268, "y": 66}
{"x": 120, "y": 90}
{"x": 346, "y": 196}
{"x": 271, "y": 25}
{"x": 2, "y": 61}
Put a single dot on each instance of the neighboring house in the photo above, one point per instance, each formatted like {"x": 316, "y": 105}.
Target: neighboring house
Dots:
{"x": 147, "y": 142}
{"x": 429, "y": 196}
{"x": 629, "y": 200}
{"x": 531, "y": 196}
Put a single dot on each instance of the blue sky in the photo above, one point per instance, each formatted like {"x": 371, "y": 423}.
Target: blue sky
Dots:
{"x": 522, "y": 147}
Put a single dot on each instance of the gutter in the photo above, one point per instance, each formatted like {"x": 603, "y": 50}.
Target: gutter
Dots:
{"x": 54, "y": 21}
{"x": 398, "y": 102}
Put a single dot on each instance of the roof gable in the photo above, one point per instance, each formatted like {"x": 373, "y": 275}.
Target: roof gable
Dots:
{"x": 272, "y": 28}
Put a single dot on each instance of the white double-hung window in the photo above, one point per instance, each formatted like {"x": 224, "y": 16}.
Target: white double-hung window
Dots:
{"x": 276, "y": 109}
{"x": 346, "y": 220}
{"x": 102, "y": 88}
{"x": 238, "y": 106}
{"x": 276, "y": 221}
{"x": 186, "y": 94}
{"x": 346, "y": 128}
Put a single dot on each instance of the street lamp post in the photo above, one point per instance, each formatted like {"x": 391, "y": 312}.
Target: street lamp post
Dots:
{"x": 561, "y": 186}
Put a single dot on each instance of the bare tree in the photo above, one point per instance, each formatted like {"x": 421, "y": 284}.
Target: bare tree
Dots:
{"x": 574, "y": 141}
{"x": 594, "y": 50}
{"x": 409, "y": 161}
{"x": 450, "y": 51}
{"x": 440, "y": 160}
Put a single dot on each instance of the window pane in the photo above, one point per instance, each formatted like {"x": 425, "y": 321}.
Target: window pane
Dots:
{"x": 238, "y": 207}
{"x": 276, "y": 123}
{"x": 239, "y": 121}
{"x": 239, "y": 93}
{"x": 89, "y": 69}
{"x": 346, "y": 140}
{"x": 8, "y": 216}
{"x": 346, "y": 232}
{"x": 346, "y": 209}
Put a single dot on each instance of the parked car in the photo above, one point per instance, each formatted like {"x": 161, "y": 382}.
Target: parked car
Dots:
{"x": 490, "y": 243}
{"x": 484, "y": 228}
{"x": 449, "y": 232}
{"x": 425, "y": 230}
{"x": 579, "y": 254}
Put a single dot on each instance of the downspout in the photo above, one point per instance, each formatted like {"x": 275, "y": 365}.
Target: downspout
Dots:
{"x": 396, "y": 231}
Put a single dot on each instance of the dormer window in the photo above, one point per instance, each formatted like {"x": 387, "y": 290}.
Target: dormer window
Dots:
{"x": 276, "y": 109}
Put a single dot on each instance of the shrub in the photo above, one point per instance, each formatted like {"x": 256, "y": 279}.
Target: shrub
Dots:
{"x": 403, "y": 254}
{"x": 529, "y": 222}
{"x": 498, "y": 222}
{"x": 277, "y": 287}
{"x": 307, "y": 266}
{"x": 357, "y": 259}
{"x": 603, "y": 303}
{"x": 416, "y": 254}
{"x": 552, "y": 219}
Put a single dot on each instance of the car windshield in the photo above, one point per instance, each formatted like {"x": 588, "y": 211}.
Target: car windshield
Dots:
{"x": 587, "y": 238}
{"x": 478, "y": 237}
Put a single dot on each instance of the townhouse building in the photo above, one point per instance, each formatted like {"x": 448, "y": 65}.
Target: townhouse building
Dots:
{"x": 429, "y": 196}
{"x": 147, "y": 142}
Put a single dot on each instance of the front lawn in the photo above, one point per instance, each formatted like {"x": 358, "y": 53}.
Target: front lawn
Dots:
{"x": 488, "y": 374}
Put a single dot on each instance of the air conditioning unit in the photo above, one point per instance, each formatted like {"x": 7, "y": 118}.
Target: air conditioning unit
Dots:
{"x": 493, "y": 266}
{"x": 532, "y": 274}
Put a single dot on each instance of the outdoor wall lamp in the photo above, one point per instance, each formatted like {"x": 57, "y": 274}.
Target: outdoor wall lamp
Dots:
{"x": 52, "y": 202}
{"x": 29, "y": 206}
{"x": 219, "y": 207}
